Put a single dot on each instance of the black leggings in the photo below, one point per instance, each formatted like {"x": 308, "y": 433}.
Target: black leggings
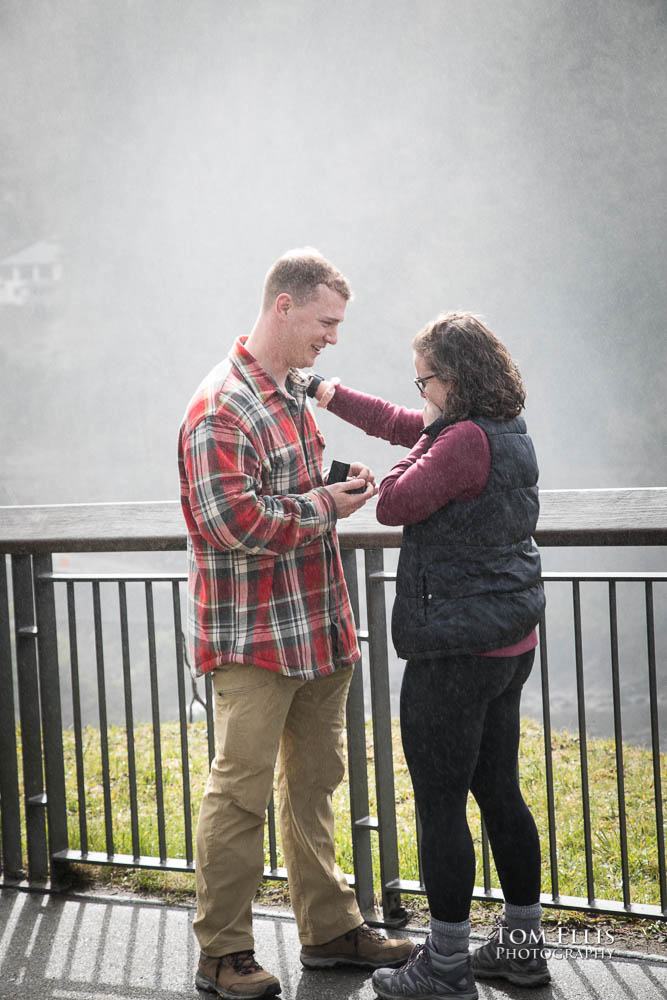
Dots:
{"x": 460, "y": 729}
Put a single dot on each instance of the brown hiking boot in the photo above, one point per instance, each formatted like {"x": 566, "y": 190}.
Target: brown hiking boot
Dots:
{"x": 361, "y": 946}
{"x": 235, "y": 977}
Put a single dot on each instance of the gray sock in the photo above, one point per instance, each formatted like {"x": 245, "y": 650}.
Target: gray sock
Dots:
{"x": 449, "y": 939}
{"x": 523, "y": 918}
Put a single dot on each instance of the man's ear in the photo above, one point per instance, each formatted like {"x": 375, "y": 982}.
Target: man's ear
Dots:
{"x": 283, "y": 304}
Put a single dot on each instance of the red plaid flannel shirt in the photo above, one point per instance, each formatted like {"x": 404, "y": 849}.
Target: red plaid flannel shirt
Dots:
{"x": 266, "y": 582}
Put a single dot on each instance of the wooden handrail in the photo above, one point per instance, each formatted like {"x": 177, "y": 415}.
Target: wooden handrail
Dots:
{"x": 567, "y": 517}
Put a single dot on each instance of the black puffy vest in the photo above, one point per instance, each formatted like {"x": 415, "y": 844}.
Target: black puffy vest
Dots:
{"x": 469, "y": 575}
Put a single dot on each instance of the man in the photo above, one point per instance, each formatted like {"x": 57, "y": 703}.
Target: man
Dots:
{"x": 269, "y": 614}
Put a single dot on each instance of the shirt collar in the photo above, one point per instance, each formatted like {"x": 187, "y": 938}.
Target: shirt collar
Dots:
{"x": 259, "y": 380}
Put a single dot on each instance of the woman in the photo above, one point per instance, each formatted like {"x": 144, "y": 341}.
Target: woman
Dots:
{"x": 468, "y": 598}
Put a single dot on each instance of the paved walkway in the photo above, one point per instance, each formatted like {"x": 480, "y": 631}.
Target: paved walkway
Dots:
{"x": 115, "y": 948}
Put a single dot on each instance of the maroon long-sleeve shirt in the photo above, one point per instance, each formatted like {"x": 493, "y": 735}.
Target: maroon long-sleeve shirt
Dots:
{"x": 455, "y": 466}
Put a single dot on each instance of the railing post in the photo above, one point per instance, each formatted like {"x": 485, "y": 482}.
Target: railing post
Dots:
{"x": 155, "y": 709}
{"x": 394, "y": 912}
{"x": 28, "y": 686}
{"x": 11, "y": 855}
{"x": 180, "y": 684}
{"x": 52, "y": 722}
{"x": 104, "y": 728}
{"x": 76, "y": 719}
{"x": 655, "y": 745}
{"x": 129, "y": 718}
{"x": 583, "y": 744}
{"x": 548, "y": 760}
{"x": 361, "y": 823}
{"x": 618, "y": 740}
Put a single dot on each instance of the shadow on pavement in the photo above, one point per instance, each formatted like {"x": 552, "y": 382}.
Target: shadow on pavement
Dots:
{"x": 105, "y": 948}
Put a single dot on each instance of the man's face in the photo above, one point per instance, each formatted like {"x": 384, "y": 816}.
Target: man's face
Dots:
{"x": 314, "y": 325}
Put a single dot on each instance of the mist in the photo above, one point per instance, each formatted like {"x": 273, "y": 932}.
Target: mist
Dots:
{"x": 507, "y": 159}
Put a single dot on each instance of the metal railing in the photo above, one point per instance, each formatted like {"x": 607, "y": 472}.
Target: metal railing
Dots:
{"x": 45, "y": 611}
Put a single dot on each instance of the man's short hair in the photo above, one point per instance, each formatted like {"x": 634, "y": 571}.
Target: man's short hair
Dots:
{"x": 299, "y": 272}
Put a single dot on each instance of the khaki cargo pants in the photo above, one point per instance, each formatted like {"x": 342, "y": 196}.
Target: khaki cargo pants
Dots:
{"x": 260, "y": 715}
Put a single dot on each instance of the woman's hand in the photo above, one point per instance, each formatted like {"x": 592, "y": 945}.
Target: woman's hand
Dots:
{"x": 431, "y": 412}
{"x": 325, "y": 390}
{"x": 360, "y": 471}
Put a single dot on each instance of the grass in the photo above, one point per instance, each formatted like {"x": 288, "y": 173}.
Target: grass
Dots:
{"x": 640, "y": 810}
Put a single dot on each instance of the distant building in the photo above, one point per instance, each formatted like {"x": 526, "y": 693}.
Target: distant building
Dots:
{"x": 32, "y": 274}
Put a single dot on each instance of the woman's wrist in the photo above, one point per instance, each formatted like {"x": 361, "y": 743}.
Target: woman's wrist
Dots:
{"x": 324, "y": 391}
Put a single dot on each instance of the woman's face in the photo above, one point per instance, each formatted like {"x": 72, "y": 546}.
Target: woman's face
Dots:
{"x": 435, "y": 390}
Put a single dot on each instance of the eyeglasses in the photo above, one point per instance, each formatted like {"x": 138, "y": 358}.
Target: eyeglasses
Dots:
{"x": 421, "y": 382}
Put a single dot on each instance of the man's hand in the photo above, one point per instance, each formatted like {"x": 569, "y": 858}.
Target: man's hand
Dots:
{"x": 431, "y": 412}
{"x": 346, "y": 502}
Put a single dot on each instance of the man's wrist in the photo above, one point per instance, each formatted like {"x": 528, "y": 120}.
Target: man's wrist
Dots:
{"x": 326, "y": 505}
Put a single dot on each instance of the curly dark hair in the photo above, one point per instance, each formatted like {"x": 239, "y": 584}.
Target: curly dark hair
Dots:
{"x": 485, "y": 382}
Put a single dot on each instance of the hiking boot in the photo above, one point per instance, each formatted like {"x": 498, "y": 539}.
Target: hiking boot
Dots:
{"x": 512, "y": 956}
{"x": 427, "y": 975}
{"x": 361, "y": 946}
{"x": 235, "y": 977}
